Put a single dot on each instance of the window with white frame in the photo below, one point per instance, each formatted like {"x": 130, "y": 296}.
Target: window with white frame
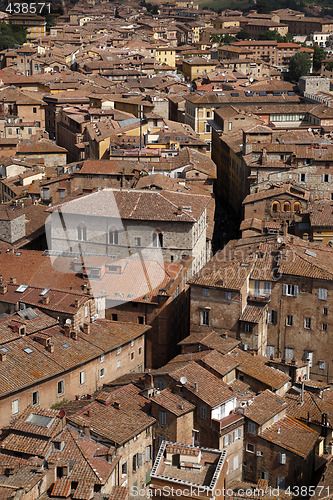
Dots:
{"x": 236, "y": 462}
{"x": 148, "y": 454}
{"x": 227, "y": 440}
{"x": 204, "y": 317}
{"x": 290, "y": 290}
{"x": 322, "y": 293}
{"x": 270, "y": 349}
{"x": 307, "y": 323}
{"x": 326, "y": 178}
{"x": 321, "y": 365}
{"x": 309, "y": 356}
{"x": 61, "y": 387}
{"x": 82, "y": 377}
{"x": 118, "y": 363}
{"x": 289, "y": 353}
{"x": 237, "y": 434}
{"x": 205, "y": 292}
{"x": 282, "y": 458}
{"x": 15, "y": 406}
{"x": 289, "y": 320}
{"x": 267, "y": 288}
{"x": 250, "y": 447}
{"x": 82, "y": 233}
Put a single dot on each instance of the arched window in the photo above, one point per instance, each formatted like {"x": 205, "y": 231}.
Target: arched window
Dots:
{"x": 286, "y": 206}
{"x": 157, "y": 239}
{"x": 81, "y": 232}
{"x": 113, "y": 236}
{"x": 275, "y": 206}
{"x": 297, "y": 207}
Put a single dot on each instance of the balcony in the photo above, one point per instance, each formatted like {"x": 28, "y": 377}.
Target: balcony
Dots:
{"x": 218, "y": 425}
{"x": 261, "y": 299}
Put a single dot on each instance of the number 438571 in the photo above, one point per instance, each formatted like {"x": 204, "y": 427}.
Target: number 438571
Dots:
{"x": 29, "y": 8}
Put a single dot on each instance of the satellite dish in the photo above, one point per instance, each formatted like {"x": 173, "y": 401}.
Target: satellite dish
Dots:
{"x": 280, "y": 240}
{"x": 183, "y": 380}
{"x": 68, "y": 322}
{"x": 251, "y": 80}
{"x": 309, "y": 129}
{"x": 224, "y": 73}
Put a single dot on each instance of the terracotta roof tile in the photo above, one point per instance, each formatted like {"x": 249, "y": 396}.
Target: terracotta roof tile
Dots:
{"x": 291, "y": 435}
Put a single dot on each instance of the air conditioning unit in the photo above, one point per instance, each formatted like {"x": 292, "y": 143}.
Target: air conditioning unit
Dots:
{"x": 259, "y": 454}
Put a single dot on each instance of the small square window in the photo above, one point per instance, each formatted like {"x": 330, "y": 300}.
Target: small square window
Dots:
{"x": 141, "y": 320}
{"x": 118, "y": 350}
{"x": 205, "y": 292}
{"x": 325, "y": 311}
{"x": 101, "y": 358}
{"x": 82, "y": 377}
{"x": 118, "y": 363}
{"x": 227, "y": 295}
{"x": 61, "y": 386}
{"x": 114, "y": 317}
{"x": 102, "y": 372}
{"x": 250, "y": 447}
{"x": 132, "y": 343}
{"x": 140, "y": 351}
{"x": 325, "y": 327}
{"x": 321, "y": 365}
{"x": 132, "y": 356}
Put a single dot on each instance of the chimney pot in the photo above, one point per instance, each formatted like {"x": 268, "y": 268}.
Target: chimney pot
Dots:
{"x": 3, "y": 356}
{"x": 12, "y": 280}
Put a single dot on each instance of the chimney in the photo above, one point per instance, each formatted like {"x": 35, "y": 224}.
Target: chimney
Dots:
{"x": 86, "y": 328}
{"x": 179, "y": 211}
{"x": 12, "y": 280}
{"x": 74, "y": 335}
{"x": 3, "y": 288}
{"x": 77, "y": 303}
{"x": 50, "y": 348}
{"x": 86, "y": 430}
{"x": 196, "y": 386}
{"x": 45, "y": 300}
{"x": 3, "y": 356}
{"x": 116, "y": 405}
{"x": 88, "y": 413}
{"x": 67, "y": 330}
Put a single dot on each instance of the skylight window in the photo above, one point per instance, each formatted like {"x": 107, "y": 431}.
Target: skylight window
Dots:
{"x": 21, "y": 288}
{"x": 40, "y": 420}
{"x": 28, "y": 350}
{"x": 4, "y": 349}
{"x": 66, "y": 346}
{"x": 44, "y": 292}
